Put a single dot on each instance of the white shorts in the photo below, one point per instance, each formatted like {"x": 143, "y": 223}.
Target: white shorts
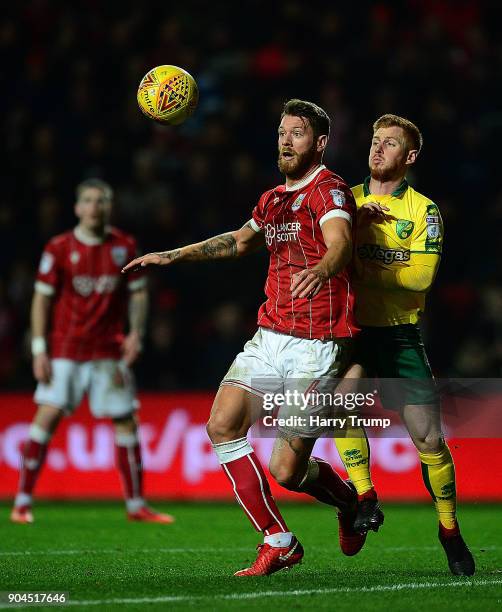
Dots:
{"x": 72, "y": 379}
{"x": 273, "y": 363}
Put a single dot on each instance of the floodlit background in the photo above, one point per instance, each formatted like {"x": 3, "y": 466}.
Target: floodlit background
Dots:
{"x": 69, "y": 112}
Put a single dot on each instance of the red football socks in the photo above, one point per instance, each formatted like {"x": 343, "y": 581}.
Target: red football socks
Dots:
{"x": 33, "y": 459}
{"x": 253, "y": 493}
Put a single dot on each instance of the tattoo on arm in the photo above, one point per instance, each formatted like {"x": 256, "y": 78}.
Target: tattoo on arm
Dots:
{"x": 223, "y": 246}
{"x": 219, "y": 246}
{"x": 170, "y": 255}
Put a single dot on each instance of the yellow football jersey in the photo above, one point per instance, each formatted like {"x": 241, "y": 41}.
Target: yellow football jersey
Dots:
{"x": 412, "y": 233}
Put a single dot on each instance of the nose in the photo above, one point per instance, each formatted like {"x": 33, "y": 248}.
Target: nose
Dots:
{"x": 286, "y": 140}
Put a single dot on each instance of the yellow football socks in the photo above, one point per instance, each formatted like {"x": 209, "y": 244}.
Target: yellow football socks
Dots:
{"x": 355, "y": 453}
{"x": 438, "y": 473}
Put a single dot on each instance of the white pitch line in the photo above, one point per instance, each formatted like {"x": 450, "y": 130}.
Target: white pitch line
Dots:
{"x": 175, "y": 551}
{"x": 112, "y": 551}
{"x": 293, "y": 593}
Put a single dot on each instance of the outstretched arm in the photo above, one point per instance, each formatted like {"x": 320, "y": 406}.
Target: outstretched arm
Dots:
{"x": 225, "y": 246}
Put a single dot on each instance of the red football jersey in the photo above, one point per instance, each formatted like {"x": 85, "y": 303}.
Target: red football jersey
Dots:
{"x": 291, "y": 220}
{"x": 90, "y": 293}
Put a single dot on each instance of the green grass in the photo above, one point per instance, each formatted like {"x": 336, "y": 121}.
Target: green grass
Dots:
{"x": 90, "y": 551}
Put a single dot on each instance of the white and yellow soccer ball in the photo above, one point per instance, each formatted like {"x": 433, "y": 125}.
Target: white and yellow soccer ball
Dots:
{"x": 168, "y": 94}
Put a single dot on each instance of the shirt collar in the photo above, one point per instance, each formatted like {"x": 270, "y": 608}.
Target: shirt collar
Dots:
{"x": 398, "y": 191}
{"x": 304, "y": 182}
{"x": 89, "y": 240}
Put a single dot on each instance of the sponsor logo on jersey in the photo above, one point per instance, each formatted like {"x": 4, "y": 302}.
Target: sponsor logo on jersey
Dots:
{"x": 84, "y": 285}
{"x": 281, "y": 232}
{"x": 388, "y": 256}
{"x": 298, "y": 202}
{"x": 46, "y": 263}
{"x": 119, "y": 254}
{"x": 338, "y": 197}
{"x": 433, "y": 230}
{"x": 74, "y": 257}
{"x": 404, "y": 227}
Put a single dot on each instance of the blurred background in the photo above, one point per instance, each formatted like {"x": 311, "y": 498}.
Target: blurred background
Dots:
{"x": 70, "y": 73}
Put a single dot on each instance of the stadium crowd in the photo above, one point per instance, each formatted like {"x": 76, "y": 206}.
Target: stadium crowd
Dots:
{"x": 71, "y": 114}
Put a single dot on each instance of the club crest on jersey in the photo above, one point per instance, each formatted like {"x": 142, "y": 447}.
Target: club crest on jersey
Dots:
{"x": 119, "y": 254}
{"x": 298, "y": 202}
{"x": 404, "y": 228}
{"x": 74, "y": 257}
{"x": 338, "y": 197}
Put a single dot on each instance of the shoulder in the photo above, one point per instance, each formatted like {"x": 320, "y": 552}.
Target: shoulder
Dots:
{"x": 266, "y": 196}
{"x": 358, "y": 191}
{"x": 422, "y": 205}
{"x": 327, "y": 179}
{"x": 59, "y": 242}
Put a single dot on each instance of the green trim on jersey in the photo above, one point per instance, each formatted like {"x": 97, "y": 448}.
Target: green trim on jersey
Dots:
{"x": 398, "y": 191}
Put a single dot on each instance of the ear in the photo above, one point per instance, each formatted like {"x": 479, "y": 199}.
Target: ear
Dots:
{"x": 76, "y": 209}
{"x": 411, "y": 158}
{"x": 322, "y": 141}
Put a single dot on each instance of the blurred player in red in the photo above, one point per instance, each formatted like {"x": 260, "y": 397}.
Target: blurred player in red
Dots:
{"x": 305, "y": 332}
{"x": 78, "y": 313}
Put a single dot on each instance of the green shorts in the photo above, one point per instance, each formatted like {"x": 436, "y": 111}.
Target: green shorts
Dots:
{"x": 397, "y": 352}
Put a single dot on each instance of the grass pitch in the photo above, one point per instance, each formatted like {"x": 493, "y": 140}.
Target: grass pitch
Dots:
{"x": 105, "y": 563}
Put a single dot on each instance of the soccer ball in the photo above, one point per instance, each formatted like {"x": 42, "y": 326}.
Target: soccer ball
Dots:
{"x": 168, "y": 94}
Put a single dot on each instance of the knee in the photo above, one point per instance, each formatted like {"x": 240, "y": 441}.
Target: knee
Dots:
{"x": 126, "y": 425}
{"x": 431, "y": 443}
{"x": 222, "y": 429}
{"x": 285, "y": 476}
{"x": 47, "y": 419}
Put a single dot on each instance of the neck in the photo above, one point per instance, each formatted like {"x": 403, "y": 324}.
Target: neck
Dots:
{"x": 291, "y": 181}
{"x": 98, "y": 232}
{"x": 385, "y": 187}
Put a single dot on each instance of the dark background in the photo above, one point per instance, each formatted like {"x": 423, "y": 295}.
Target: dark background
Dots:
{"x": 69, "y": 78}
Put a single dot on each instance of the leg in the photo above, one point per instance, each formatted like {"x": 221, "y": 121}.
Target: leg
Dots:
{"x": 438, "y": 471}
{"x": 424, "y": 426}
{"x": 294, "y": 469}
{"x": 42, "y": 427}
{"x": 354, "y": 451}
{"x": 353, "y": 446}
{"x": 230, "y": 419}
{"x": 128, "y": 451}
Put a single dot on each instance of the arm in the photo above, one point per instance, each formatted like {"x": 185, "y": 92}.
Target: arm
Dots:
{"x": 417, "y": 276}
{"x": 138, "y": 308}
{"x": 225, "y": 246}
{"x": 40, "y": 313}
{"x": 337, "y": 234}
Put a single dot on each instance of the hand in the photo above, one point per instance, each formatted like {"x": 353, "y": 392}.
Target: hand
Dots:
{"x": 42, "y": 369}
{"x": 131, "y": 348}
{"x": 158, "y": 259}
{"x": 307, "y": 283}
{"x": 371, "y": 212}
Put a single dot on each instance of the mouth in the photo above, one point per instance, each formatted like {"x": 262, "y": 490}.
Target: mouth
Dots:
{"x": 377, "y": 159}
{"x": 287, "y": 155}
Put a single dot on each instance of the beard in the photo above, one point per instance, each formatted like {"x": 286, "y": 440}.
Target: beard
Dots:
{"x": 297, "y": 165}
{"x": 385, "y": 173}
